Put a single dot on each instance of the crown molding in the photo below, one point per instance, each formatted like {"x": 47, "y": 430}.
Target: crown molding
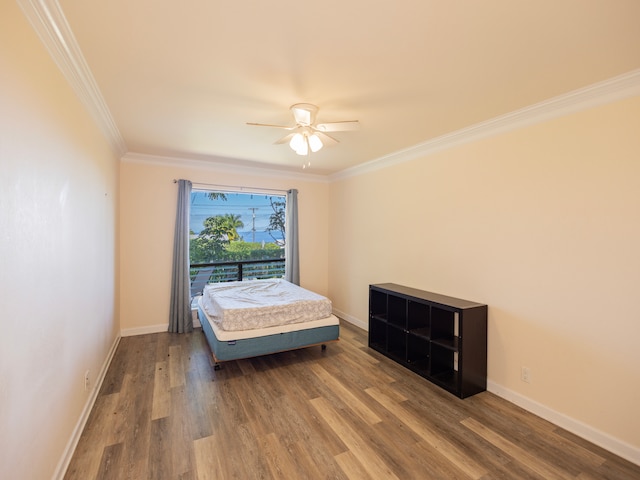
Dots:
{"x": 50, "y": 24}
{"x": 613, "y": 89}
{"x": 227, "y": 165}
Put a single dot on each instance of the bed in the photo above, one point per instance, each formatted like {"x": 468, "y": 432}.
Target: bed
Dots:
{"x": 258, "y": 317}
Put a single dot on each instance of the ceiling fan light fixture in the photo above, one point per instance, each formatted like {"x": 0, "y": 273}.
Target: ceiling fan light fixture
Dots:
{"x": 304, "y": 150}
{"x": 297, "y": 142}
{"x": 314, "y": 142}
{"x": 307, "y": 136}
{"x": 300, "y": 144}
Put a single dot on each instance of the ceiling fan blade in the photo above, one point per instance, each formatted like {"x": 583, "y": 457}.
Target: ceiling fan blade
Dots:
{"x": 285, "y": 139}
{"x": 304, "y": 113}
{"x": 327, "y": 140}
{"x": 344, "y": 126}
{"x": 270, "y": 125}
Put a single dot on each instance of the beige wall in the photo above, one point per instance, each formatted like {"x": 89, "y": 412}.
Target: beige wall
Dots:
{"x": 58, "y": 194}
{"x": 148, "y": 209}
{"x": 543, "y": 225}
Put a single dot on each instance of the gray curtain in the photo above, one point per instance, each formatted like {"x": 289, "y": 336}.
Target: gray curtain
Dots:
{"x": 292, "y": 267}
{"x": 180, "y": 319}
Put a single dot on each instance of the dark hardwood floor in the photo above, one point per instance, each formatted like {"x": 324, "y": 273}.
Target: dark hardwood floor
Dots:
{"x": 343, "y": 413}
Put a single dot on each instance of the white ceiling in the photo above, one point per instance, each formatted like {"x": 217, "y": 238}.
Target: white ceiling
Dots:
{"x": 182, "y": 78}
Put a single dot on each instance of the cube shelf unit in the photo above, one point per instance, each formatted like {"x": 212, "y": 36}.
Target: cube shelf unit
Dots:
{"x": 441, "y": 338}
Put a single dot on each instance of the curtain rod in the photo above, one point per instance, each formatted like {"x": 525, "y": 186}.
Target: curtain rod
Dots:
{"x": 236, "y": 187}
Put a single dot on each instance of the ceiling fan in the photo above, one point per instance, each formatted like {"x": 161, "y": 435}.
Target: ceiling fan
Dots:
{"x": 307, "y": 135}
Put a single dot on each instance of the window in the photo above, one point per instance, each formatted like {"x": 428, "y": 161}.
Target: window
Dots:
{"x": 236, "y": 236}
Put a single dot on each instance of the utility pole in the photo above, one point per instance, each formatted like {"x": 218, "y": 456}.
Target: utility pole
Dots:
{"x": 253, "y": 228}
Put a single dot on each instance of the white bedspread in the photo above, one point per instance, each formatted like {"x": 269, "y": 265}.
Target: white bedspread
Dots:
{"x": 255, "y": 304}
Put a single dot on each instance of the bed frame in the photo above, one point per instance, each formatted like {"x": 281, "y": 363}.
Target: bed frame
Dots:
{"x": 248, "y": 347}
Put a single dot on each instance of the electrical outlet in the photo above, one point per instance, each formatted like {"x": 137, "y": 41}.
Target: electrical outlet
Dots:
{"x": 525, "y": 375}
{"x": 87, "y": 380}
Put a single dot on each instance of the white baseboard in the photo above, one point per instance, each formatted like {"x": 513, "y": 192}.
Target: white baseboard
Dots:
{"x": 161, "y": 327}
{"x": 63, "y": 464}
{"x": 130, "y": 332}
{"x": 593, "y": 435}
{"x": 351, "y": 319}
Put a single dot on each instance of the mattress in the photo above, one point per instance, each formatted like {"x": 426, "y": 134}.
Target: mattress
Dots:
{"x": 256, "y": 304}
{"x": 226, "y": 345}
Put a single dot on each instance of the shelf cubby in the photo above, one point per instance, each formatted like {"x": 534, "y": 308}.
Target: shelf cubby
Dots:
{"x": 378, "y": 305}
{"x": 378, "y": 334}
{"x": 418, "y": 315}
{"x": 396, "y": 342}
{"x": 397, "y": 310}
{"x": 418, "y": 352}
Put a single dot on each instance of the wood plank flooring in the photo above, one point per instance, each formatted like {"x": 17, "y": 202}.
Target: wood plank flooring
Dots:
{"x": 343, "y": 413}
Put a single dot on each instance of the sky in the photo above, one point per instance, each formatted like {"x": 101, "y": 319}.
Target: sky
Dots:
{"x": 254, "y": 209}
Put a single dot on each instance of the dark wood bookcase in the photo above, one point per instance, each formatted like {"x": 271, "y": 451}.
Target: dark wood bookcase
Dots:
{"x": 441, "y": 338}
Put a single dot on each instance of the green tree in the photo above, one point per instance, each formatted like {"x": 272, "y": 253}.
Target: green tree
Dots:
{"x": 211, "y": 243}
{"x": 239, "y": 251}
{"x": 203, "y": 250}
{"x": 216, "y": 195}
{"x": 231, "y": 223}
{"x": 276, "y": 219}
{"x": 206, "y": 248}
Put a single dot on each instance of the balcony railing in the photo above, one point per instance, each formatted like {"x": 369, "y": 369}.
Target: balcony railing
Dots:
{"x": 203, "y": 273}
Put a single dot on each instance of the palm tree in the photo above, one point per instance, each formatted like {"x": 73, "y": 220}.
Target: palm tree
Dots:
{"x": 231, "y": 223}
{"x": 216, "y": 195}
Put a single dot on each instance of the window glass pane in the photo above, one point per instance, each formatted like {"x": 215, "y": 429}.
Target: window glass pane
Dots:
{"x": 234, "y": 228}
